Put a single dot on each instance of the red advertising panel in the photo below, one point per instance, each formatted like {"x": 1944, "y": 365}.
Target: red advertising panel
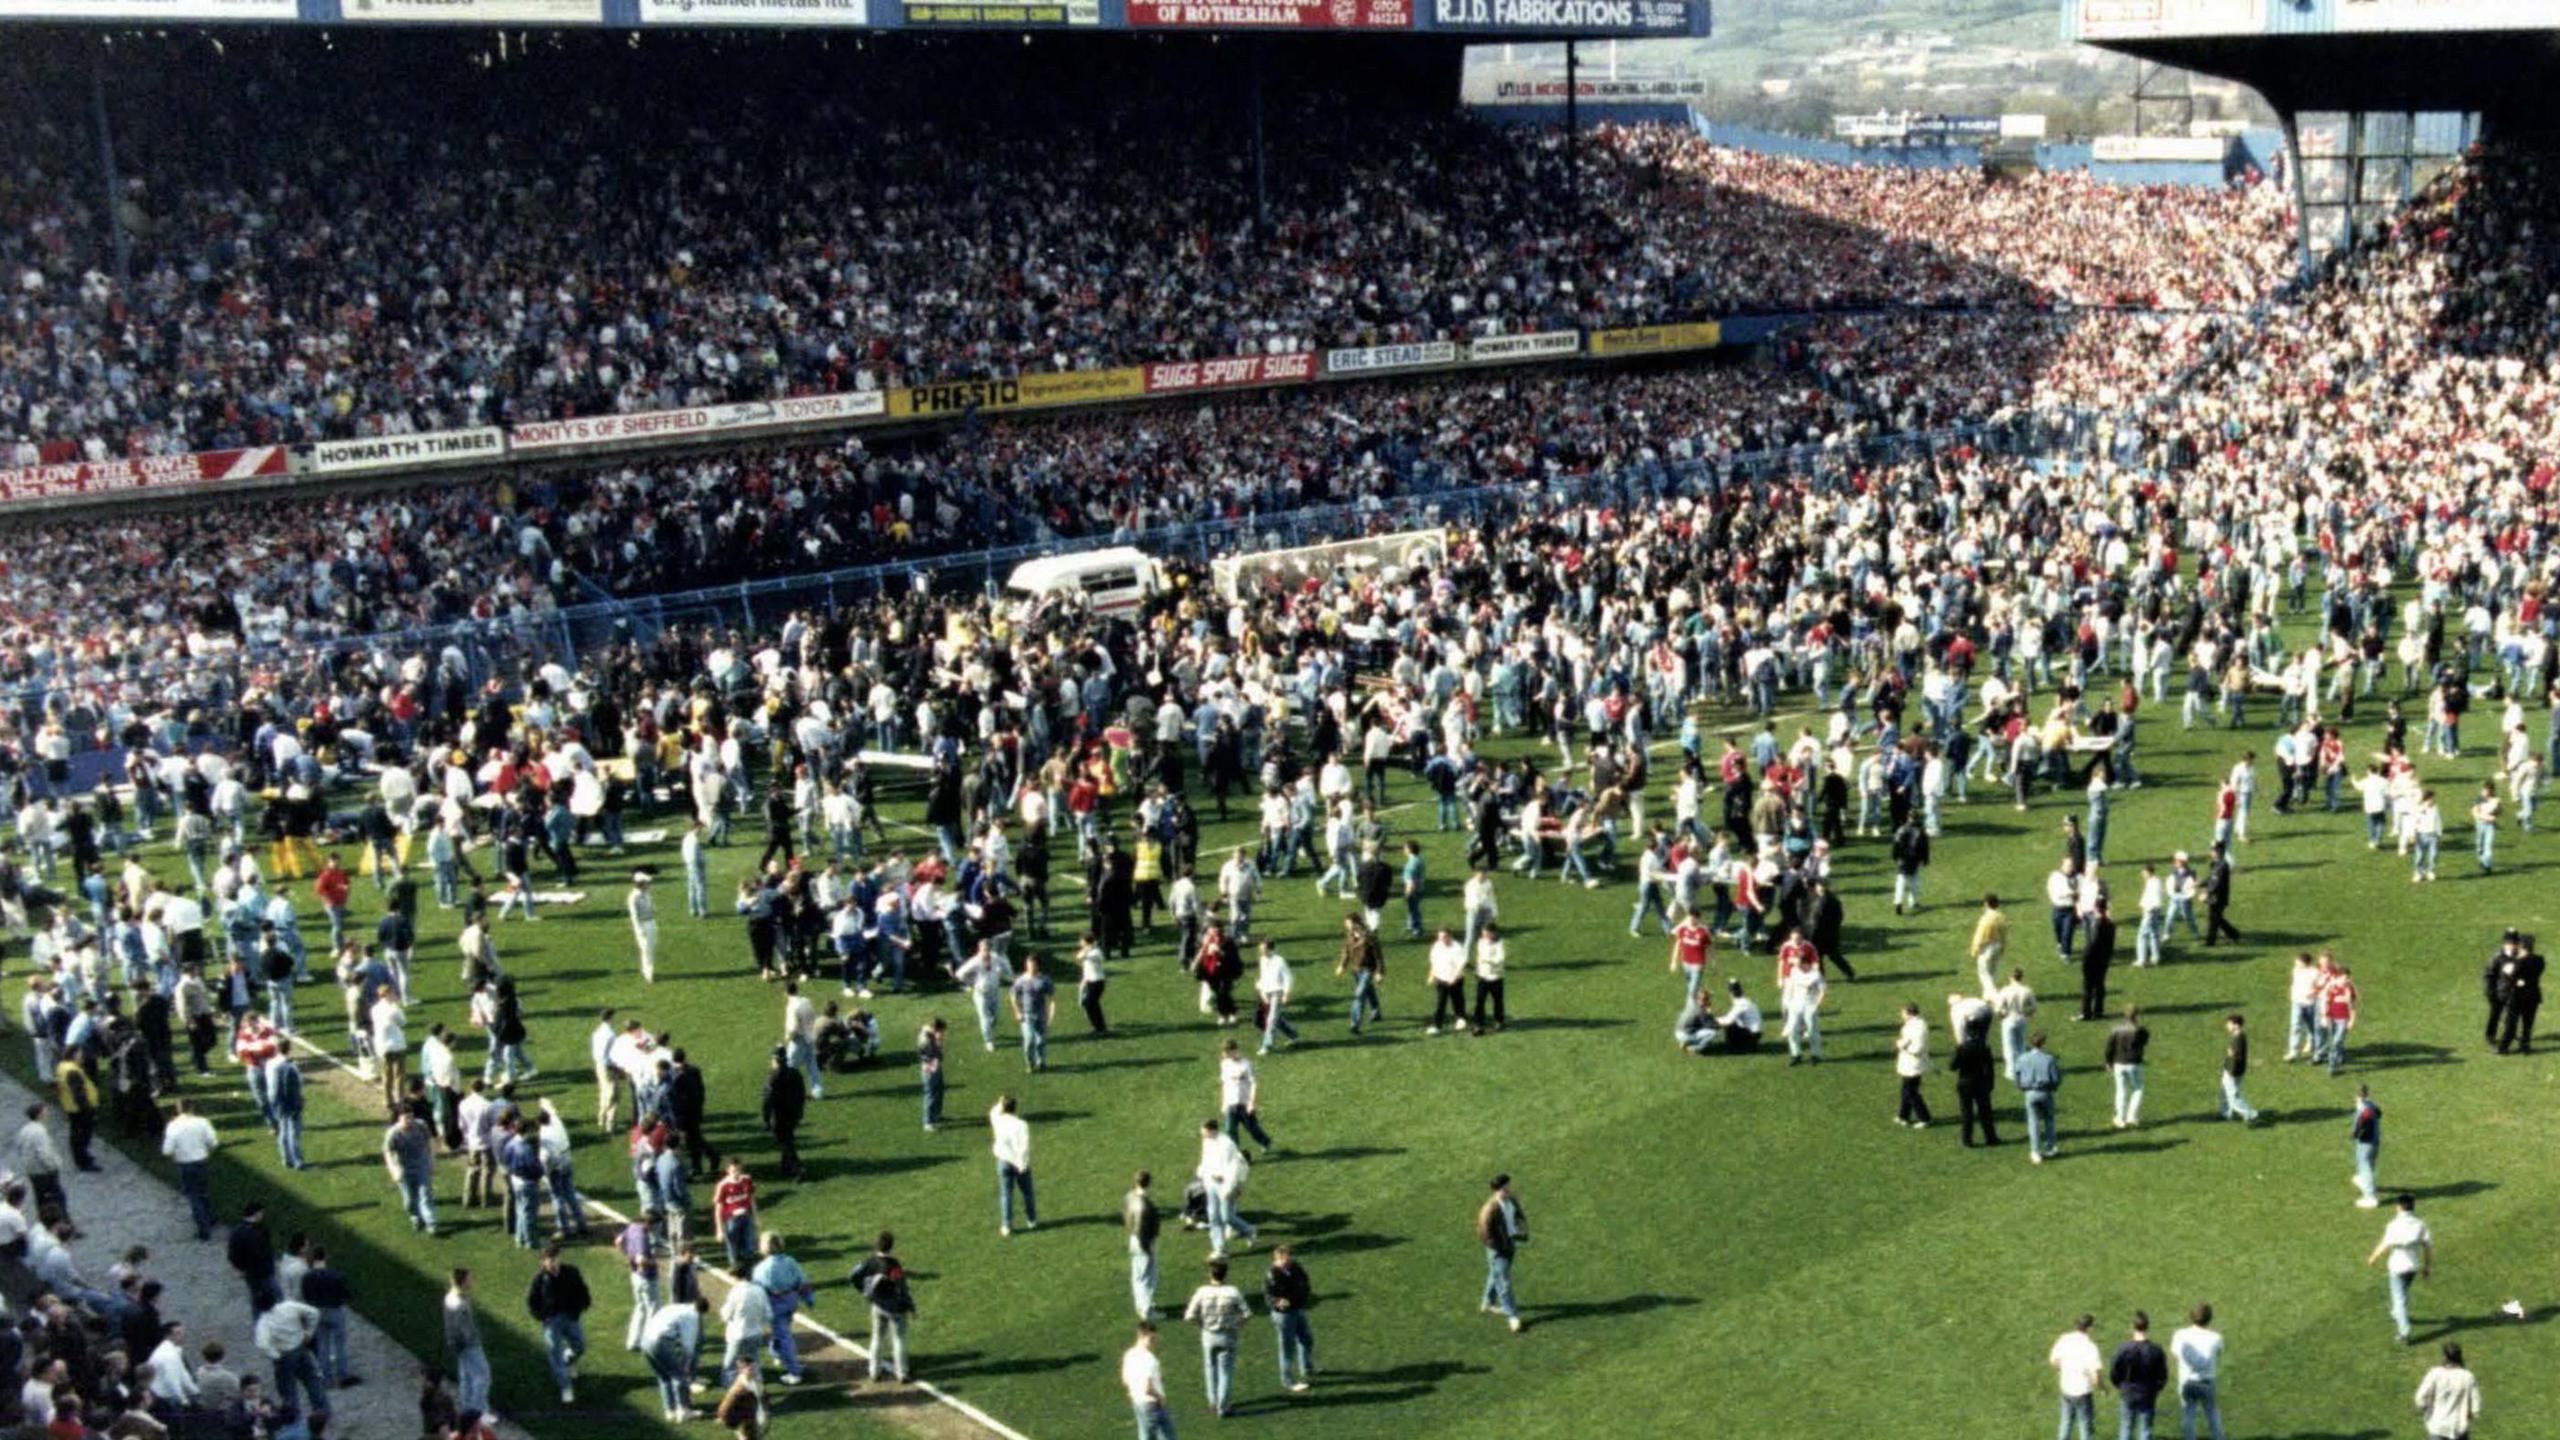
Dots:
{"x": 159, "y": 472}
{"x": 1274, "y": 14}
{"x": 1176, "y": 376}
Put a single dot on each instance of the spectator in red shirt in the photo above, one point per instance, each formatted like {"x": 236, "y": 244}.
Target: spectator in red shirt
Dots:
{"x": 733, "y": 1209}
{"x": 331, "y": 886}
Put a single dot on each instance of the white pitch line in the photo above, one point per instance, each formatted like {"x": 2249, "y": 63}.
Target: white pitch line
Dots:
{"x": 980, "y": 1417}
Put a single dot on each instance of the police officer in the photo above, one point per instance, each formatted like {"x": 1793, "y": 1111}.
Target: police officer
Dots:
{"x": 2498, "y": 982}
{"x": 2524, "y": 1001}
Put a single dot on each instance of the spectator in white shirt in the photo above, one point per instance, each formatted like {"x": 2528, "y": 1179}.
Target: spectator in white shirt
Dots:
{"x": 2197, "y": 1348}
{"x": 1448, "y": 984}
{"x": 166, "y": 1374}
{"x": 2448, "y": 1398}
{"x": 189, "y": 1141}
{"x": 2410, "y": 1247}
{"x": 1142, "y": 1375}
{"x": 2075, "y": 1360}
{"x": 1910, "y": 1062}
{"x": 1222, "y": 1173}
{"x": 1012, "y": 1147}
{"x": 1274, "y": 983}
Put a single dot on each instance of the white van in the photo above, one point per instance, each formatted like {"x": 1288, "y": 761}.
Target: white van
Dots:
{"x": 1112, "y": 581}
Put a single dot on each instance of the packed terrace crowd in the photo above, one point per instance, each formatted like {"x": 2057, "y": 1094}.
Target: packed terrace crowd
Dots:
{"x": 305, "y": 268}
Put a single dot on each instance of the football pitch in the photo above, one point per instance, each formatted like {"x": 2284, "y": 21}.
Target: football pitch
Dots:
{"x": 1724, "y": 1242}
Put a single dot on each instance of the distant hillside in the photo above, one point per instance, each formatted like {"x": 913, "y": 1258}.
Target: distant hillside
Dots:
{"x": 1794, "y": 63}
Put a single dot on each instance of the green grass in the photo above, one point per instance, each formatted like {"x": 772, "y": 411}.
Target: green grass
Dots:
{"x": 1725, "y": 1240}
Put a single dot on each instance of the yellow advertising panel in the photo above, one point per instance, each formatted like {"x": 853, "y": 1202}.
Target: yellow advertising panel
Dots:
{"x": 1658, "y": 339}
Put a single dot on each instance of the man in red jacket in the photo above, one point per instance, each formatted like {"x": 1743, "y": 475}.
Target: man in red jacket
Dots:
{"x": 331, "y": 887}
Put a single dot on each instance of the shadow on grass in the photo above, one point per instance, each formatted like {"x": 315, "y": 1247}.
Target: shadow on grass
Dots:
{"x": 2121, "y": 1147}
{"x": 1072, "y": 1221}
{"x": 857, "y": 1167}
{"x": 2450, "y": 1190}
{"x": 2399, "y": 1055}
{"x": 1344, "y": 1152}
{"x": 1572, "y": 1310}
{"x": 1366, "y": 1387}
{"x": 1126, "y": 1062}
{"x": 2239, "y": 952}
{"x": 973, "y": 1364}
{"x": 1565, "y": 1022}
{"x": 1309, "y": 1226}
{"x": 2496, "y": 1320}
{"x": 1354, "y": 1244}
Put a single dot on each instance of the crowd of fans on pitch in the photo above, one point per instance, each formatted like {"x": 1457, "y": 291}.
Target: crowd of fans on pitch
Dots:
{"x": 1934, "y": 606}
{"x": 597, "y": 248}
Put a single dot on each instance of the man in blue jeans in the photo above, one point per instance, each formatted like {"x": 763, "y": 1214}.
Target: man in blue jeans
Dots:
{"x": 1011, "y": 1146}
{"x": 2366, "y": 1131}
{"x": 2410, "y": 1248}
{"x": 1035, "y": 1004}
{"x": 2074, "y": 1358}
{"x": 2038, "y": 1075}
{"x": 1142, "y": 1375}
{"x": 2198, "y": 1350}
{"x": 929, "y": 1069}
{"x": 189, "y": 1140}
{"x": 520, "y": 1156}
{"x": 558, "y": 1301}
{"x": 1288, "y": 1294}
{"x": 1502, "y": 1227}
{"x": 1219, "y": 1309}
{"x": 326, "y": 1291}
{"x": 787, "y": 1286}
{"x": 2139, "y": 1372}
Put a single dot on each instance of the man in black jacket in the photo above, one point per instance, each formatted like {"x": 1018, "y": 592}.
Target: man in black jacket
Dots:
{"x": 2524, "y": 999}
{"x": 253, "y": 1253}
{"x": 777, "y": 822}
{"x": 2126, "y": 1046}
{"x": 1377, "y": 885}
{"x": 1115, "y": 893}
{"x": 1974, "y": 1069}
{"x": 2140, "y": 1372}
{"x": 2498, "y": 982}
{"x": 686, "y": 1101}
{"x": 1823, "y": 921}
{"x": 1288, "y": 1295}
{"x": 152, "y": 1018}
{"x": 2217, "y": 897}
{"x": 1910, "y": 857}
{"x": 882, "y": 1280}
{"x": 2096, "y": 955}
{"x": 326, "y": 1290}
{"x": 786, "y": 1100}
{"x": 558, "y": 1300}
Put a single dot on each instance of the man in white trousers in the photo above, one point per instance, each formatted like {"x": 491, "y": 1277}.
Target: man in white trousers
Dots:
{"x": 644, "y": 924}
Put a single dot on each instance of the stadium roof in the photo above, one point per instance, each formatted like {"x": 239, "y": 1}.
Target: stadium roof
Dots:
{"x": 1462, "y": 20}
{"x": 2496, "y": 56}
